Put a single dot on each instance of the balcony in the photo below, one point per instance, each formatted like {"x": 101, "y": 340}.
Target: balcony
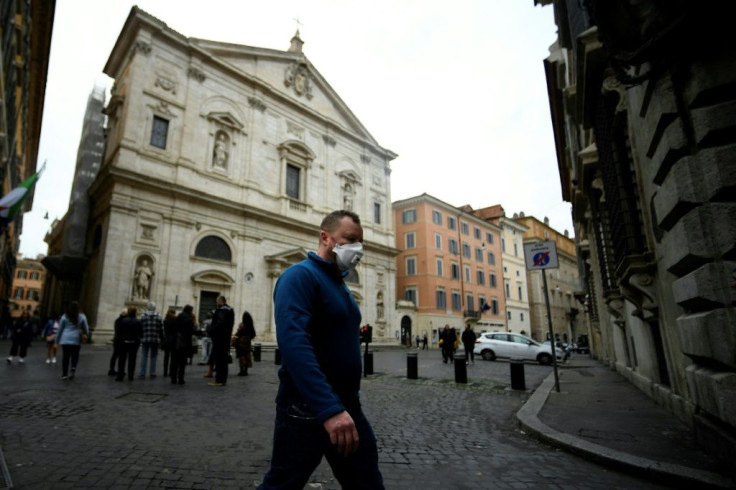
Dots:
{"x": 472, "y": 314}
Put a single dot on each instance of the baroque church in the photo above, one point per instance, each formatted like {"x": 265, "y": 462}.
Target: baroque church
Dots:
{"x": 220, "y": 161}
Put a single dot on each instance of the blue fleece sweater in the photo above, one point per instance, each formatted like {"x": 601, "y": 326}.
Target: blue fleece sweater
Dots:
{"x": 318, "y": 332}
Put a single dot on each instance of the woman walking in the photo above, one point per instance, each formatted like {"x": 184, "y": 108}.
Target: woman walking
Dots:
{"x": 49, "y": 335}
{"x": 21, "y": 335}
{"x": 73, "y": 331}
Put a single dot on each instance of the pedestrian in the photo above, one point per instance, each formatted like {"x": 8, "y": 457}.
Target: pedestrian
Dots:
{"x": 424, "y": 341}
{"x": 193, "y": 340}
{"x": 447, "y": 341}
{"x": 206, "y": 342}
{"x": 468, "y": 339}
{"x": 153, "y": 335}
{"x": 49, "y": 335}
{"x": 180, "y": 343}
{"x": 128, "y": 333}
{"x": 73, "y": 332}
{"x": 221, "y": 331}
{"x": 21, "y": 334}
{"x": 115, "y": 346}
{"x": 318, "y": 409}
{"x": 417, "y": 338}
{"x": 169, "y": 333}
{"x": 243, "y": 345}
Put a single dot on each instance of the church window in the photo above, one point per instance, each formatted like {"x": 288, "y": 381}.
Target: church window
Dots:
{"x": 293, "y": 175}
{"x": 377, "y": 213}
{"x": 215, "y": 248}
{"x": 159, "y": 132}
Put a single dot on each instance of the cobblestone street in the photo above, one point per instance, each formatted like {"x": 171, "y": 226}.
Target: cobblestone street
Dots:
{"x": 92, "y": 432}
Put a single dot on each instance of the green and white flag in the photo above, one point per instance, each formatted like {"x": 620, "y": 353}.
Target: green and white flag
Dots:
{"x": 10, "y": 203}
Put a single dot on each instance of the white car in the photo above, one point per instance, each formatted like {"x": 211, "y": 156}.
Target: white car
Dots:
{"x": 512, "y": 345}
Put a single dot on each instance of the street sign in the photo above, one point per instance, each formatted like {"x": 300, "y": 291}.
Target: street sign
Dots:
{"x": 540, "y": 255}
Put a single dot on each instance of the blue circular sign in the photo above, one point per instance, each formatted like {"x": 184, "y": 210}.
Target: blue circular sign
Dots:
{"x": 541, "y": 259}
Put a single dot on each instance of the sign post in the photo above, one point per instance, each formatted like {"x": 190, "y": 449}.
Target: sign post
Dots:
{"x": 543, "y": 256}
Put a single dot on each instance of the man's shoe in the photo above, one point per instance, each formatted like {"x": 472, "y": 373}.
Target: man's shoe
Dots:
{"x": 215, "y": 383}
{"x": 21, "y": 360}
{"x": 48, "y": 361}
{"x": 53, "y": 360}
{"x": 112, "y": 372}
{"x": 65, "y": 377}
{"x": 10, "y": 360}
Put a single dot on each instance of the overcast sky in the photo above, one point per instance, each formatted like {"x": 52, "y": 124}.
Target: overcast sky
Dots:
{"x": 457, "y": 89}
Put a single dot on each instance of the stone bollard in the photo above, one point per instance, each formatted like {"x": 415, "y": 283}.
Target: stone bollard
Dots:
{"x": 517, "y": 374}
{"x": 277, "y": 356}
{"x": 257, "y": 352}
{"x": 412, "y": 365}
{"x": 367, "y": 363}
{"x": 461, "y": 369}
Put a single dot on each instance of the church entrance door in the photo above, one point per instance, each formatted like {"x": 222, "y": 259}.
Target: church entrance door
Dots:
{"x": 207, "y": 303}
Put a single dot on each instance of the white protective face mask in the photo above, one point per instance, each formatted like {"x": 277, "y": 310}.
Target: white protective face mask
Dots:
{"x": 348, "y": 255}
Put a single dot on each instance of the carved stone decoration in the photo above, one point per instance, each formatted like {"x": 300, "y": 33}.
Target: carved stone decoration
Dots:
{"x": 329, "y": 140}
{"x": 142, "y": 279}
{"x": 165, "y": 84}
{"x": 615, "y": 307}
{"x": 220, "y": 153}
{"x": 347, "y": 196}
{"x": 612, "y": 84}
{"x": 257, "y": 104}
{"x": 365, "y": 159}
{"x": 379, "y": 306}
{"x": 296, "y": 131}
{"x": 142, "y": 47}
{"x": 163, "y": 108}
{"x": 642, "y": 293}
{"x": 147, "y": 231}
{"x": 196, "y": 74}
{"x": 297, "y": 75}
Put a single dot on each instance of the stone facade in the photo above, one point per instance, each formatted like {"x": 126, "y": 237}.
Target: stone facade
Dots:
{"x": 220, "y": 162}
{"x": 643, "y": 109}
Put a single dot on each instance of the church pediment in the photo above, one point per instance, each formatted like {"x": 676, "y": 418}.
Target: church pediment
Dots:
{"x": 293, "y": 75}
{"x": 213, "y": 277}
{"x": 288, "y": 257}
{"x": 226, "y": 119}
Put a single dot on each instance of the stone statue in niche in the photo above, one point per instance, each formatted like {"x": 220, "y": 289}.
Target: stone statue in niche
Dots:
{"x": 347, "y": 197}
{"x": 220, "y": 153}
{"x": 142, "y": 280}
{"x": 379, "y": 307}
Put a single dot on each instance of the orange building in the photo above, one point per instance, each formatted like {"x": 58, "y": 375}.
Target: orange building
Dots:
{"x": 449, "y": 268}
{"x": 27, "y": 286}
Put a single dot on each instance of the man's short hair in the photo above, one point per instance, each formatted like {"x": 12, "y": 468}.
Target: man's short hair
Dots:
{"x": 222, "y": 298}
{"x": 332, "y": 220}
{"x": 151, "y": 306}
{"x": 188, "y": 309}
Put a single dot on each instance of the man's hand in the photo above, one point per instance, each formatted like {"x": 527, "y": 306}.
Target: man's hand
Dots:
{"x": 343, "y": 433}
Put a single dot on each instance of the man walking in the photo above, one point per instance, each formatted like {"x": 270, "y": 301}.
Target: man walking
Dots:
{"x": 153, "y": 335}
{"x": 128, "y": 332}
{"x": 318, "y": 409}
{"x": 447, "y": 338}
{"x": 220, "y": 331}
{"x": 468, "y": 339}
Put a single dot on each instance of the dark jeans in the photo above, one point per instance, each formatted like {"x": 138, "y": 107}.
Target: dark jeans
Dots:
{"x": 167, "y": 358}
{"x": 469, "y": 354}
{"x": 448, "y": 352}
{"x": 178, "y": 362}
{"x": 128, "y": 351}
{"x": 69, "y": 353}
{"x": 18, "y": 343}
{"x": 299, "y": 442}
{"x": 221, "y": 353}
{"x": 115, "y": 355}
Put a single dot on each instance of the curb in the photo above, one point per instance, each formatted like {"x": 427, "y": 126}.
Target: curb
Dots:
{"x": 657, "y": 471}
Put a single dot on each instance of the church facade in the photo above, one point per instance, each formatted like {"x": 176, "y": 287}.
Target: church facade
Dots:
{"x": 220, "y": 162}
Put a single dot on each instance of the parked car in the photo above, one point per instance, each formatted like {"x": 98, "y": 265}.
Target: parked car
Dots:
{"x": 508, "y": 345}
